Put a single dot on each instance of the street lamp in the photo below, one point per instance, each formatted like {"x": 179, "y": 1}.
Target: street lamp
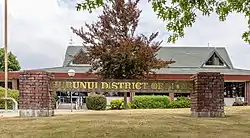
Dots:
{"x": 5, "y": 51}
{"x": 71, "y": 74}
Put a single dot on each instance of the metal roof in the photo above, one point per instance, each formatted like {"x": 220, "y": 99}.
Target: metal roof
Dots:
{"x": 184, "y": 56}
{"x": 70, "y": 52}
{"x": 192, "y": 56}
{"x": 196, "y": 70}
{"x": 189, "y": 60}
{"x": 160, "y": 71}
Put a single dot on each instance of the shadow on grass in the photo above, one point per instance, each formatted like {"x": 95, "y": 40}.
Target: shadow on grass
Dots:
{"x": 189, "y": 115}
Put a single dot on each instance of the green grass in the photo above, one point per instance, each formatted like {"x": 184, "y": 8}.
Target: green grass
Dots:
{"x": 130, "y": 124}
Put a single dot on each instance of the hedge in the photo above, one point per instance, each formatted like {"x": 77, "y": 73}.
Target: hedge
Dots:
{"x": 11, "y": 93}
{"x": 96, "y": 102}
{"x": 116, "y": 104}
{"x": 119, "y": 104}
{"x": 239, "y": 103}
{"x": 150, "y": 102}
{"x": 180, "y": 102}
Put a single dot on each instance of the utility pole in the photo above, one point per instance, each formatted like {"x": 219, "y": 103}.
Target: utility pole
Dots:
{"x": 6, "y": 50}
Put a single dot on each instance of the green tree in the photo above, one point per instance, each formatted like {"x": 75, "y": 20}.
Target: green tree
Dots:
{"x": 113, "y": 48}
{"x": 179, "y": 14}
{"x": 13, "y": 63}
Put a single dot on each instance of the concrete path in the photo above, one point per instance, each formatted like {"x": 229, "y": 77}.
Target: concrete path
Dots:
{"x": 11, "y": 113}
{"x": 8, "y": 113}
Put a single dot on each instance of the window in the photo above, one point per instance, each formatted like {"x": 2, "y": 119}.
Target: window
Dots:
{"x": 214, "y": 60}
{"x": 2, "y": 84}
{"x": 81, "y": 58}
{"x": 234, "y": 89}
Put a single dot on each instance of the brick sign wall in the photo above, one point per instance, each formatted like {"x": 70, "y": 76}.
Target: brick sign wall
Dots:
{"x": 208, "y": 95}
{"x": 36, "y": 97}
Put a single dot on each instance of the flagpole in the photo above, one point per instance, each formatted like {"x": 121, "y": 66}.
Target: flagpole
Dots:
{"x": 6, "y": 50}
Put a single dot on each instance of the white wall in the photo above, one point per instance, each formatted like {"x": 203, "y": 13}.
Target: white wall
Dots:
{"x": 230, "y": 101}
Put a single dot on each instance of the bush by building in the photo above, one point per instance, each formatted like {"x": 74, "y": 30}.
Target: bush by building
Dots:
{"x": 180, "y": 102}
{"x": 150, "y": 102}
{"x": 119, "y": 104}
{"x": 11, "y": 93}
{"x": 116, "y": 104}
{"x": 239, "y": 103}
{"x": 96, "y": 102}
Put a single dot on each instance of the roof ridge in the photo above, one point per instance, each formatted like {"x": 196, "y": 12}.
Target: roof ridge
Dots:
{"x": 191, "y": 56}
{"x": 75, "y": 46}
{"x": 169, "y": 46}
{"x": 191, "y": 47}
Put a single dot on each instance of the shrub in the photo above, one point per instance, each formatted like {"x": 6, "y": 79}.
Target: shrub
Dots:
{"x": 150, "y": 102}
{"x": 180, "y": 102}
{"x": 55, "y": 98}
{"x": 96, "y": 102}
{"x": 129, "y": 104}
{"x": 174, "y": 104}
{"x": 119, "y": 104}
{"x": 239, "y": 103}
{"x": 182, "y": 98}
{"x": 116, "y": 104}
{"x": 11, "y": 93}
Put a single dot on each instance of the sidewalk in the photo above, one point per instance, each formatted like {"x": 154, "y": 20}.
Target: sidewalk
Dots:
{"x": 66, "y": 111}
{"x": 11, "y": 113}
{"x": 8, "y": 113}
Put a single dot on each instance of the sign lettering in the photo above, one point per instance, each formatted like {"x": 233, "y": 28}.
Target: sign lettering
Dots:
{"x": 123, "y": 86}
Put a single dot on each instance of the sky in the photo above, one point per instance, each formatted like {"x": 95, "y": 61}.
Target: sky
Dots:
{"x": 39, "y": 31}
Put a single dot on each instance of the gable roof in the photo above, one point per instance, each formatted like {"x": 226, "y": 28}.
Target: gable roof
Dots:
{"x": 185, "y": 57}
{"x": 70, "y": 52}
{"x": 192, "y": 57}
{"x": 214, "y": 52}
{"x": 189, "y": 60}
{"x": 80, "y": 58}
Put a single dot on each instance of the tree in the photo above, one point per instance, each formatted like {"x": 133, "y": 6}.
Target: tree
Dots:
{"x": 179, "y": 14}
{"x": 114, "y": 50}
{"x": 13, "y": 63}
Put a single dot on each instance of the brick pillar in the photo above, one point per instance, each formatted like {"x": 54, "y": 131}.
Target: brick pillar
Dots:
{"x": 36, "y": 97}
{"x": 247, "y": 92}
{"x": 207, "y": 98}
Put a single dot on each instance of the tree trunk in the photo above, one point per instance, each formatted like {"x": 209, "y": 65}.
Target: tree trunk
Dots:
{"x": 125, "y": 100}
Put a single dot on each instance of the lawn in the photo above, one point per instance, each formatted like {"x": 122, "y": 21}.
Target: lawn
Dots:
{"x": 130, "y": 124}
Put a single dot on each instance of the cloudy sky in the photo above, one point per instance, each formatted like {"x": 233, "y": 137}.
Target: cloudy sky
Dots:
{"x": 39, "y": 31}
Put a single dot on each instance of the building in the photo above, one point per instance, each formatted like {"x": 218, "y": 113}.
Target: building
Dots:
{"x": 189, "y": 61}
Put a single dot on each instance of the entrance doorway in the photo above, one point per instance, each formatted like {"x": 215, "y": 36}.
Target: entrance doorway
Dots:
{"x": 78, "y": 99}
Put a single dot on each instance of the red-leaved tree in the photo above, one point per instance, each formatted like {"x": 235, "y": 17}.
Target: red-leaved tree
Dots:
{"x": 114, "y": 51}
